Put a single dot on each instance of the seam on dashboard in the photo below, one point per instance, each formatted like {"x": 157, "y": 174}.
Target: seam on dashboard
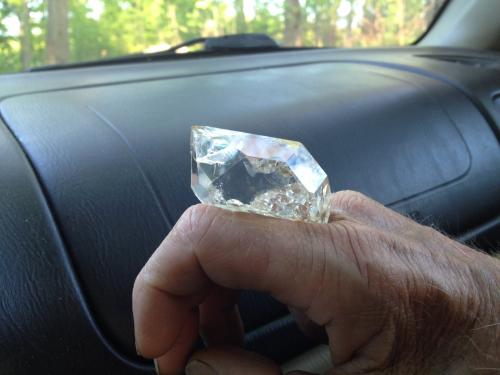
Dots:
{"x": 68, "y": 262}
{"x": 411, "y": 69}
{"x": 147, "y": 180}
{"x": 479, "y": 106}
{"x": 177, "y": 76}
{"x": 235, "y": 70}
{"x": 477, "y": 231}
{"x": 469, "y": 154}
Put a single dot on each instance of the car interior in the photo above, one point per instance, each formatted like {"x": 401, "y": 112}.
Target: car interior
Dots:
{"x": 95, "y": 171}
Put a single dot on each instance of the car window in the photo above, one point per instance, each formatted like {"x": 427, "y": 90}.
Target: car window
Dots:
{"x": 36, "y": 33}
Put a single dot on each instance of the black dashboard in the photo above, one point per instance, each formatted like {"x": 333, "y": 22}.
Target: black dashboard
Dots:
{"x": 94, "y": 171}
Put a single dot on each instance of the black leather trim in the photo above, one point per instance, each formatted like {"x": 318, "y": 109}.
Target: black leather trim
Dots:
{"x": 39, "y": 285}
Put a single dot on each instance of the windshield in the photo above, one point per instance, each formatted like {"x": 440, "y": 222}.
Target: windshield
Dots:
{"x": 36, "y": 33}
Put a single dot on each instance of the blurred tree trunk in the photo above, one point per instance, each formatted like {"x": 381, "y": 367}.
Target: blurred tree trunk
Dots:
{"x": 57, "y": 32}
{"x": 241, "y": 26}
{"x": 26, "y": 47}
{"x": 292, "y": 23}
{"x": 173, "y": 23}
{"x": 325, "y": 22}
{"x": 329, "y": 25}
{"x": 328, "y": 34}
{"x": 400, "y": 22}
{"x": 372, "y": 28}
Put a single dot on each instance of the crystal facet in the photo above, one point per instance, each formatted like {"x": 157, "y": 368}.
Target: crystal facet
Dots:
{"x": 259, "y": 174}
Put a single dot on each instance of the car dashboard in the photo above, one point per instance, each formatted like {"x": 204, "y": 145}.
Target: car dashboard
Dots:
{"x": 95, "y": 171}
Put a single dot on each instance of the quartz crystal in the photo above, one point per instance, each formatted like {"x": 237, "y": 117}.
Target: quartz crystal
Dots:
{"x": 259, "y": 174}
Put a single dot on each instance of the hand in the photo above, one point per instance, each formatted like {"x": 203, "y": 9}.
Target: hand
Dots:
{"x": 393, "y": 296}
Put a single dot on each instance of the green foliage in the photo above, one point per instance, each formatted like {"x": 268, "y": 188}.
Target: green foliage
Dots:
{"x": 107, "y": 28}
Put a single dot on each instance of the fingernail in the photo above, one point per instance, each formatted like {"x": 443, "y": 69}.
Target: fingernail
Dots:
{"x": 196, "y": 367}
{"x": 137, "y": 349}
{"x": 157, "y": 366}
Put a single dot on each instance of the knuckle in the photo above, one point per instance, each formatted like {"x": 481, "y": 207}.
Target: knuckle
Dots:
{"x": 359, "y": 242}
{"x": 194, "y": 225}
{"x": 349, "y": 200}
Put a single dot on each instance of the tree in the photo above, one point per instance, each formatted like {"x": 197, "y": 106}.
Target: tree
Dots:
{"x": 241, "y": 26}
{"x": 57, "y": 32}
{"x": 292, "y": 23}
{"x": 9, "y": 58}
{"x": 26, "y": 46}
{"x": 326, "y": 22}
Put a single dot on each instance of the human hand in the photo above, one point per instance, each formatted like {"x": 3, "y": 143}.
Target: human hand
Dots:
{"x": 393, "y": 296}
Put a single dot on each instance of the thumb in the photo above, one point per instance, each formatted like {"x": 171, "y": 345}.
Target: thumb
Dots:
{"x": 229, "y": 361}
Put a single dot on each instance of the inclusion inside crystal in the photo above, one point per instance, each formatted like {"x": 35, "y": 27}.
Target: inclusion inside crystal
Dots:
{"x": 259, "y": 174}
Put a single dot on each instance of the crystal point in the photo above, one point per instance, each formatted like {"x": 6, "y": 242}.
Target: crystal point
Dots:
{"x": 259, "y": 174}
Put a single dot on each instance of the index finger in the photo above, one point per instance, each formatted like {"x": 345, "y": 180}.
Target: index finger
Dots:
{"x": 210, "y": 246}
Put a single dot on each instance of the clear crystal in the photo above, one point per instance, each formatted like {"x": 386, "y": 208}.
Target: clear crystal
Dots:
{"x": 259, "y": 174}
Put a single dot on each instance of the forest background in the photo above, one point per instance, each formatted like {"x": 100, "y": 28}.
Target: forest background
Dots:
{"x": 40, "y": 32}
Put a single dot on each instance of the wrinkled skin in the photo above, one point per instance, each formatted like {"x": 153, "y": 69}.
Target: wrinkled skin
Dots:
{"x": 393, "y": 296}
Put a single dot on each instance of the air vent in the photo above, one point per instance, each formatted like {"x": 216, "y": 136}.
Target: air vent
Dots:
{"x": 475, "y": 61}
